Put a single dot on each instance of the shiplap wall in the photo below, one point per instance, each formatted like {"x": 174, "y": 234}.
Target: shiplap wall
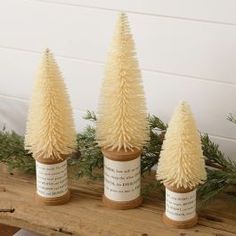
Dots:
{"x": 186, "y": 49}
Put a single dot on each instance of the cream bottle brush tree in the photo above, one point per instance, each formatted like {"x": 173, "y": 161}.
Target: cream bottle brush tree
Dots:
{"x": 50, "y": 132}
{"x": 122, "y": 123}
{"x": 181, "y": 167}
{"x": 181, "y": 162}
{"x": 122, "y": 126}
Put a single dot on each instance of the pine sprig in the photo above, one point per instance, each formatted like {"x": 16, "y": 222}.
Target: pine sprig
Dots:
{"x": 217, "y": 182}
{"x": 91, "y": 155}
{"x": 221, "y": 171}
{"x": 214, "y": 157}
{"x": 13, "y": 154}
{"x": 152, "y": 149}
{"x": 88, "y": 158}
{"x": 231, "y": 118}
{"x": 156, "y": 123}
{"x": 91, "y": 116}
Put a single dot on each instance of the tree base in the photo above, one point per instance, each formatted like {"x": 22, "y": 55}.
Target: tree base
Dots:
{"x": 180, "y": 224}
{"x": 53, "y": 201}
{"x": 122, "y": 205}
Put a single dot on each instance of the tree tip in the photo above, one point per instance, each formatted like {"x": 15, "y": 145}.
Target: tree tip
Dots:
{"x": 122, "y": 14}
{"x": 48, "y": 55}
{"x": 183, "y": 105}
{"x": 47, "y": 51}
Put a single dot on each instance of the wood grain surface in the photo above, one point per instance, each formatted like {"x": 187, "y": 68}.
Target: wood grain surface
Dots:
{"x": 85, "y": 214}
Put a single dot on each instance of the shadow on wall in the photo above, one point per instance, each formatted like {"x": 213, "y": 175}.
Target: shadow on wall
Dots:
{"x": 13, "y": 114}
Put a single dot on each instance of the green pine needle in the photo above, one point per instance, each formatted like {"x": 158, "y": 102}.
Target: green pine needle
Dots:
{"x": 88, "y": 159}
{"x": 231, "y": 118}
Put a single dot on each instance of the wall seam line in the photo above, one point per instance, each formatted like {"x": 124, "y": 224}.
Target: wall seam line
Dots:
{"x": 139, "y": 13}
{"x": 143, "y": 69}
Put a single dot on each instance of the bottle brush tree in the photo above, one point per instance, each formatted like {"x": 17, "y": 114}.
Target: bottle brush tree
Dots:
{"x": 122, "y": 126}
{"x": 122, "y": 117}
{"x": 181, "y": 168}
{"x": 181, "y": 162}
{"x": 50, "y": 131}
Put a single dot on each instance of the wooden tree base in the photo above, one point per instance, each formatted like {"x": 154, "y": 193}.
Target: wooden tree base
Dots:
{"x": 53, "y": 201}
{"x": 122, "y": 205}
{"x": 180, "y": 224}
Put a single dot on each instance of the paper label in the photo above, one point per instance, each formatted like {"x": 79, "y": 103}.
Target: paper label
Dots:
{"x": 122, "y": 179}
{"x": 51, "y": 179}
{"x": 180, "y": 206}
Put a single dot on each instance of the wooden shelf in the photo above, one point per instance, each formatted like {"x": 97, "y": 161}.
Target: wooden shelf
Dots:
{"x": 86, "y": 216}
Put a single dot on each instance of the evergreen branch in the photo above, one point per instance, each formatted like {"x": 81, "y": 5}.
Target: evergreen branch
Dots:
{"x": 214, "y": 157}
{"x": 156, "y": 123}
{"x": 221, "y": 171}
{"x": 152, "y": 149}
{"x": 91, "y": 155}
{"x": 90, "y": 115}
{"x": 217, "y": 182}
{"x": 88, "y": 158}
{"x": 13, "y": 154}
{"x": 231, "y": 118}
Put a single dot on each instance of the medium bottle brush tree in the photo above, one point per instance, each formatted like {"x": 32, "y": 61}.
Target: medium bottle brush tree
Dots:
{"x": 181, "y": 168}
{"x": 122, "y": 126}
{"x": 50, "y": 133}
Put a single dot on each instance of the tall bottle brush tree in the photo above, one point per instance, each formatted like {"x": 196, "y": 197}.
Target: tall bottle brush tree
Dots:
{"x": 122, "y": 117}
{"x": 122, "y": 126}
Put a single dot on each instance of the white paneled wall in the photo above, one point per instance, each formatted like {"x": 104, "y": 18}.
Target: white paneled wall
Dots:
{"x": 186, "y": 49}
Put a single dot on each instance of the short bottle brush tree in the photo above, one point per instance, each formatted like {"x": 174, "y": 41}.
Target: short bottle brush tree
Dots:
{"x": 181, "y": 168}
{"x": 122, "y": 126}
{"x": 50, "y": 133}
